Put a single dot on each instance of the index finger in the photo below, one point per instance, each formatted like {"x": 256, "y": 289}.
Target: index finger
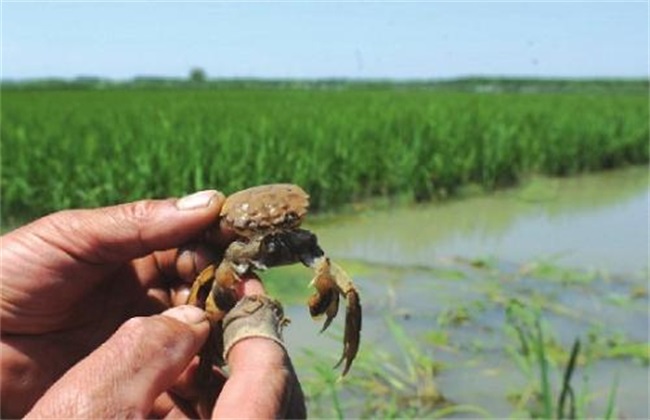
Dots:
{"x": 262, "y": 365}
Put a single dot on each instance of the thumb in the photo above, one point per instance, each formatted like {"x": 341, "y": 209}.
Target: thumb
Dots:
{"x": 49, "y": 264}
{"x": 127, "y": 231}
{"x": 124, "y": 376}
{"x": 110, "y": 235}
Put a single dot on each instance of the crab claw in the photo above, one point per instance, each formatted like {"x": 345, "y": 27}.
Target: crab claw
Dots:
{"x": 326, "y": 299}
{"x": 330, "y": 282}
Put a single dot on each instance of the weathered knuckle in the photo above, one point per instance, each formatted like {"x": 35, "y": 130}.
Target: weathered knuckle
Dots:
{"x": 136, "y": 214}
{"x": 142, "y": 210}
{"x": 132, "y": 218}
{"x": 65, "y": 224}
{"x": 155, "y": 335}
{"x": 135, "y": 328}
{"x": 154, "y": 326}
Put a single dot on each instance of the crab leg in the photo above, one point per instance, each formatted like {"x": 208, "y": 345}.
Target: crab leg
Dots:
{"x": 213, "y": 290}
{"x": 330, "y": 282}
{"x": 201, "y": 287}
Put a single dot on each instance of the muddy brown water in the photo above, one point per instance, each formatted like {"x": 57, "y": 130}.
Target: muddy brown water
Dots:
{"x": 418, "y": 263}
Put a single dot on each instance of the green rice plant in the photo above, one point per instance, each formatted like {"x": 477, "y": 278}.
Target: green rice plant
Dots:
{"x": 384, "y": 384}
{"x": 611, "y": 400}
{"x": 567, "y": 393}
{"x": 539, "y": 396}
{"x": 84, "y": 148}
{"x": 615, "y": 345}
{"x": 322, "y": 391}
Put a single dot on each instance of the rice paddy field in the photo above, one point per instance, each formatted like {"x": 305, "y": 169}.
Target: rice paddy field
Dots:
{"x": 451, "y": 209}
{"x": 70, "y": 148}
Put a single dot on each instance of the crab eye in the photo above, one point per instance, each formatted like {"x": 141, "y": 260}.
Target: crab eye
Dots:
{"x": 270, "y": 246}
{"x": 290, "y": 217}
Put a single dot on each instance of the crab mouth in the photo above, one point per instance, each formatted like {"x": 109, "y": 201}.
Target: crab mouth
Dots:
{"x": 288, "y": 247}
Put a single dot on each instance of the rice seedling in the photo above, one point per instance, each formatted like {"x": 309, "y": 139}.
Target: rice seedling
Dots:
{"x": 539, "y": 398}
{"x": 385, "y": 384}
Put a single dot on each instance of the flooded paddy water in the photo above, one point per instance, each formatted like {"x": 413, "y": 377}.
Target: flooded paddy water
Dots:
{"x": 445, "y": 274}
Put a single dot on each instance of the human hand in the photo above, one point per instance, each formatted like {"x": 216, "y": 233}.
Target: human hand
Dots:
{"x": 72, "y": 278}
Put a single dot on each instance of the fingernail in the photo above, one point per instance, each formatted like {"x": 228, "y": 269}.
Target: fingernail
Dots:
{"x": 180, "y": 295}
{"x": 187, "y": 314}
{"x": 197, "y": 200}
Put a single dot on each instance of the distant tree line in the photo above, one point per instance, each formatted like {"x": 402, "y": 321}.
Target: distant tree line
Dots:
{"x": 198, "y": 79}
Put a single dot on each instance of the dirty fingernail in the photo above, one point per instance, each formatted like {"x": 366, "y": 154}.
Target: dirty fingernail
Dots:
{"x": 197, "y": 200}
{"x": 187, "y": 314}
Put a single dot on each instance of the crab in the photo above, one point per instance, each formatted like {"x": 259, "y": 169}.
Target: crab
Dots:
{"x": 266, "y": 221}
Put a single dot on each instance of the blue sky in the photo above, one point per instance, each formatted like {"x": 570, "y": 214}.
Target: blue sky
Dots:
{"x": 398, "y": 40}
